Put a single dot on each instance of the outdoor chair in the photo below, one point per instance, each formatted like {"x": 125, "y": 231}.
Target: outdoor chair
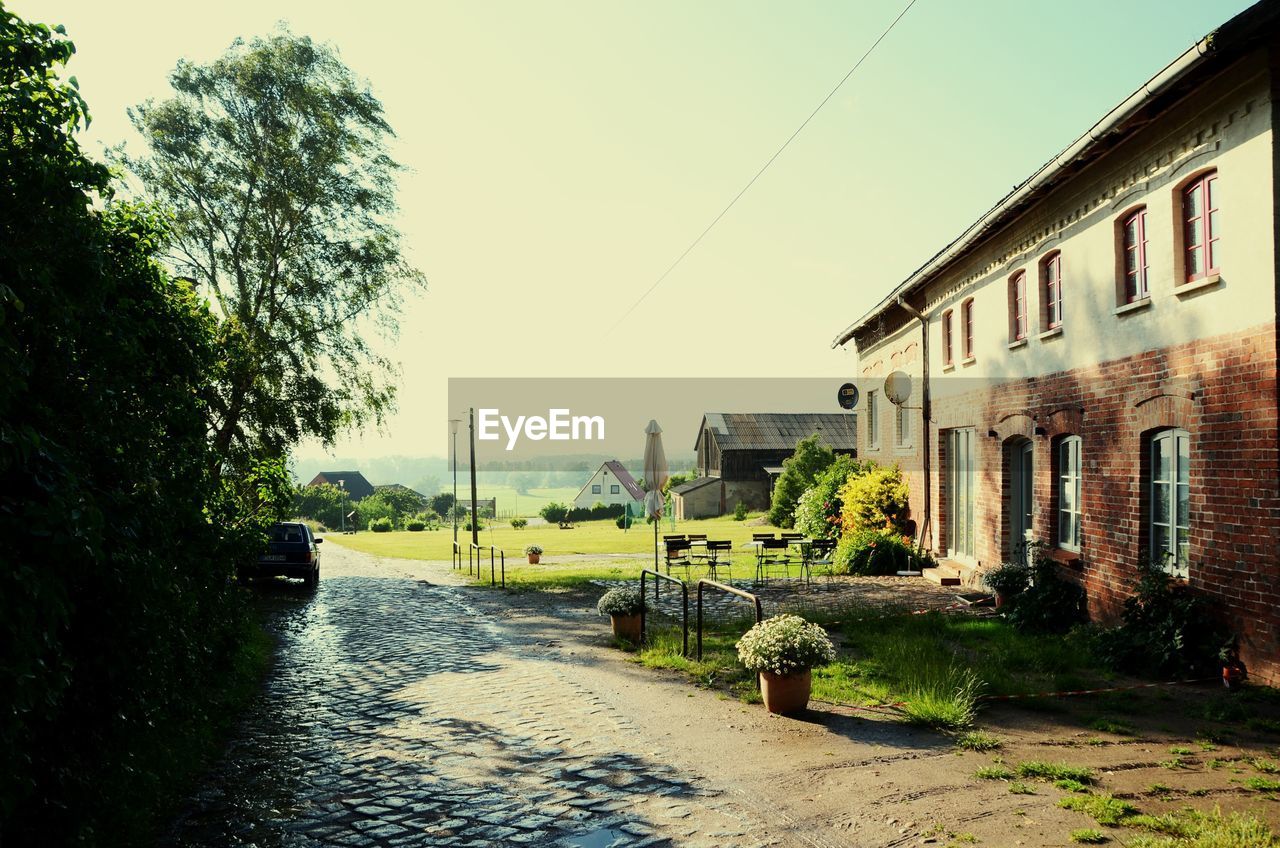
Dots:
{"x": 667, "y": 538}
{"x": 760, "y": 537}
{"x": 772, "y": 554}
{"x": 819, "y": 554}
{"x": 719, "y": 558}
{"x": 697, "y": 543}
{"x": 678, "y": 556}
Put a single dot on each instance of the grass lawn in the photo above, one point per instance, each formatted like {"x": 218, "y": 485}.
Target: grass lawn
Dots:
{"x": 589, "y": 537}
{"x": 509, "y": 500}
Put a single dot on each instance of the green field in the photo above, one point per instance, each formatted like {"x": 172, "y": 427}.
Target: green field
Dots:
{"x": 508, "y": 499}
{"x": 589, "y": 537}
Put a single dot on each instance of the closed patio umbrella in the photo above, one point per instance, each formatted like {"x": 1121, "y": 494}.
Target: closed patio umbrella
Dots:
{"x": 656, "y": 475}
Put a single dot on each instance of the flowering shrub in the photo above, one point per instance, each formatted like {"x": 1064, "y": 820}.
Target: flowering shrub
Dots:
{"x": 817, "y": 512}
{"x": 626, "y": 601}
{"x": 785, "y": 644}
{"x": 534, "y": 549}
{"x": 873, "y": 499}
{"x": 870, "y": 551}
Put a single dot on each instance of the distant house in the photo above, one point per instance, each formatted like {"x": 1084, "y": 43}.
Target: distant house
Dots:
{"x": 611, "y": 484}
{"x": 356, "y": 486}
{"x": 740, "y": 456}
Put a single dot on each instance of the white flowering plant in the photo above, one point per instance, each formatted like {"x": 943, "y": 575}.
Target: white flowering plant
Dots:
{"x": 624, "y": 601}
{"x": 534, "y": 549}
{"x": 785, "y": 644}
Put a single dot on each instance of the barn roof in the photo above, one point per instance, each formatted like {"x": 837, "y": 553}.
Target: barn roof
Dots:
{"x": 353, "y": 481}
{"x": 778, "y": 430}
{"x": 696, "y": 483}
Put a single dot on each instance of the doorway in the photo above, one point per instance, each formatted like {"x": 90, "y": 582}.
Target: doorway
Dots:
{"x": 1021, "y": 497}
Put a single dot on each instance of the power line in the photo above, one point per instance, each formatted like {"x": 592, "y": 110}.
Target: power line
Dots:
{"x": 763, "y": 168}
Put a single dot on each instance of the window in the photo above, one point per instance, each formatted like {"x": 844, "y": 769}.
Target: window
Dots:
{"x": 966, "y": 329}
{"x": 902, "y": 421}
{"x": 1018, "y": 307}
{"x": 1069, "y": 468}
{"x": 1170, "y": 501}
{"x": 1134, "y": 232}
{"x": 946, "y": 338}
{"x": 1051, "y": 290}
{"x": 960, "y": 470}
{"x": 595, "y": 490}
{"x": 873, "y": 422}
{"x": 613, "y": 490}
{"x": 1200, "y": 231}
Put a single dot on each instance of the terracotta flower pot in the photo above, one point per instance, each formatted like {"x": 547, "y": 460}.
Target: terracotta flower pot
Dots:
{"x": 534, "y": 558}
{"x": 626, "y": 627}
{"x": 1001, "y": 599}
{"x": 785, "y": 694}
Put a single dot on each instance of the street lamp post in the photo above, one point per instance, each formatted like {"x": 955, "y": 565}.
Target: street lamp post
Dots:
{"x": 453, "y": 508}
{"x": 475, "y": 519}
{"x": 342, "y": 484}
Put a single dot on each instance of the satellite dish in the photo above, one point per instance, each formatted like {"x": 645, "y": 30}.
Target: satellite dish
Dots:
{"x": 897, "y": 388}
{"x": 847, "y": 396}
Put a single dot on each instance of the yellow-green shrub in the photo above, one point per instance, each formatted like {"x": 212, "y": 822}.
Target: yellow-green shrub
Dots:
{"x": 874, "y": 499}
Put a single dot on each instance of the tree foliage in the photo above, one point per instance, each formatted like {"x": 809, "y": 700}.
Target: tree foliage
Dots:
{"x": 799, "y": 471}
{"x": 874, "y": 500}
{"x": 273, "y": 160}
{"x": 817, "y": 513}
{"x": 117, "y": 613}
{"x": 324, "y": 503}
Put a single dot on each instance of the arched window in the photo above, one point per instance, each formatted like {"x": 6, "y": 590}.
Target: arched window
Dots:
{"x": 966, "y": 329}
{"x": 1018, "y": 307}
{"x": 1051, "y": 289}
{"x": 1169, "y": 500}
{"x": 1200, "y": 232}
{"x": 947, "y": 345}
{"x": 1068, "y": 469}
{"x": 1134, "y": 246}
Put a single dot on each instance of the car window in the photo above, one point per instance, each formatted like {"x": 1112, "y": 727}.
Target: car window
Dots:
{"x": 287, "y": 533}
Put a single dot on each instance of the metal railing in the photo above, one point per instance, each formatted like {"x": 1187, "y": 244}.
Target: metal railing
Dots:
{"x": 495, "y": 556}
{"x": 457, "y": 555}
{"x": 684, "y": 605}
{"x": 730, "y": 589}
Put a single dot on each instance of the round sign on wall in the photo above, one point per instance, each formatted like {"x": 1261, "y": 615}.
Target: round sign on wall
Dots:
{"x": 847, "y": 396}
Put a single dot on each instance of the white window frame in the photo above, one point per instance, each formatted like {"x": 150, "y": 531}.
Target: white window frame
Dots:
{"x": 595, "y": 488}
{"x": 1170, "y": 555}
{"x": 902, "y": 426}
{"x": 1070, "y": 467}
{"x": 873, "y": 422}
{"x": 615, "y": 489}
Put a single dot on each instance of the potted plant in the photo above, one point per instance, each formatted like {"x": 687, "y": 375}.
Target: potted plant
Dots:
{"x": 1233, "y": 671}
{"x": 623, "y": 607}
{"x": 534, "y": 553}
{"x": 1007, "y": 580}
{"x": 783, "y": 650}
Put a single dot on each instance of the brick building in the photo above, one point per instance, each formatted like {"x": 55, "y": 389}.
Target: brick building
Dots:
{"x": 1093, "y": 362}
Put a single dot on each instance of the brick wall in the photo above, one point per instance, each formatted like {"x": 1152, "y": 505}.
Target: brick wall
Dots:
{"x": 1221, "y": 390}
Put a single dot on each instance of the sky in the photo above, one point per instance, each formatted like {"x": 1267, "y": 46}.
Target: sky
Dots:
{"x": 562, "y": 154}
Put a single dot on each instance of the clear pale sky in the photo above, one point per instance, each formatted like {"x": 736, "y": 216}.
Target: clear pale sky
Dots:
{"x": 562, "y": 154}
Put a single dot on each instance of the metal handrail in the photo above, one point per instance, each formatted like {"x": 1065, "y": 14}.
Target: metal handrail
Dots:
{"x": 684, "y": 603}
{"x": 474, "y": 550}
{"x": 730, "y": 589}
{"x": 456, "y": 557}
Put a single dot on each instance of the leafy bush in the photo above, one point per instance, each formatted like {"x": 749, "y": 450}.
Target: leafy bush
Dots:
{"x": 621, "y": 522}
{"x": 1008, "y": 578}
{"x": 740, "y": 511}
{"x": 623, "y": 601}
{"x": 817, "y": 512}
{"x": 799, "y": 471}
{"x": 519, "y": 523}
{"x": 1050, "y": 604}
{"x": 467, "y": 526}
{"x": 870, "y": 552}
{"x": 554, "y": 512}
{"x": 415, "y": 526}
{"x": 785, "y": 644}
{"x": 381, "y": 525}
{"x": 875, "y": 498}
{"x": 1168, "y": 628}
{"x": 374, "y": 507}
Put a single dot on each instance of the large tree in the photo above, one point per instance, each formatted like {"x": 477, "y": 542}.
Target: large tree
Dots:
{"x": 273, "y": 160}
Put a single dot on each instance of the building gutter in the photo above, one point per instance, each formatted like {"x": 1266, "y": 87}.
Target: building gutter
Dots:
{"x": 1041, "y": 179}
{"x": 925, "y": 530}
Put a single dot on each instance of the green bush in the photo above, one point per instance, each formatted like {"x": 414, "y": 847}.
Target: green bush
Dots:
{"x": 519, "y": 523}
{"x": 554, "y": 512}
{"x": 799, "y": 471}
{"x": 1050, "y": 604}
{"x": 1008, "y": 578}
{"x": 870, "y": 552}
{"x": 740, "y": 511}
{"x": 818, "y": 512}
{"x": 1168, "y": 628}
{"x": 415, "y": 526}
{"x": 381, "y": 525}
{"x": 874, "y": 498}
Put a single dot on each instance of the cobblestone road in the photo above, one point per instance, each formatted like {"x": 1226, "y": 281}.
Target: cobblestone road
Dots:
{"x": 396, "y": 715}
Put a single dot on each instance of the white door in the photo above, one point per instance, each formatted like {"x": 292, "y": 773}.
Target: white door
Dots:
{"x": 961, "y": 470}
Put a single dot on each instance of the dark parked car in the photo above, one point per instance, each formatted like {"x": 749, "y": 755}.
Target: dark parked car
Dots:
{"x": 292, "y": 552}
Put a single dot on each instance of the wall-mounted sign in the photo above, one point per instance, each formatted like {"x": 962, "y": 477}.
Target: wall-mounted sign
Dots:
{"x": 847, "y": 397}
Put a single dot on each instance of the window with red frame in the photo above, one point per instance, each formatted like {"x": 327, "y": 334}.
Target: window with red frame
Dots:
{"x": 1200, "y": 217}
{"x": 1051, "y": 274}
{"x": 1135, "y": 257}
{"x": 1018, "y": 306}
{"x": 966, "y": 329}
{"x": 946, "y": 338}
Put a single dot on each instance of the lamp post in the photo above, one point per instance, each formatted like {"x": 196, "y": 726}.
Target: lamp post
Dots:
{"x": 453, "y": 508}
{"x": 475, "y": 520}
{"x": 342, "y": 484}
